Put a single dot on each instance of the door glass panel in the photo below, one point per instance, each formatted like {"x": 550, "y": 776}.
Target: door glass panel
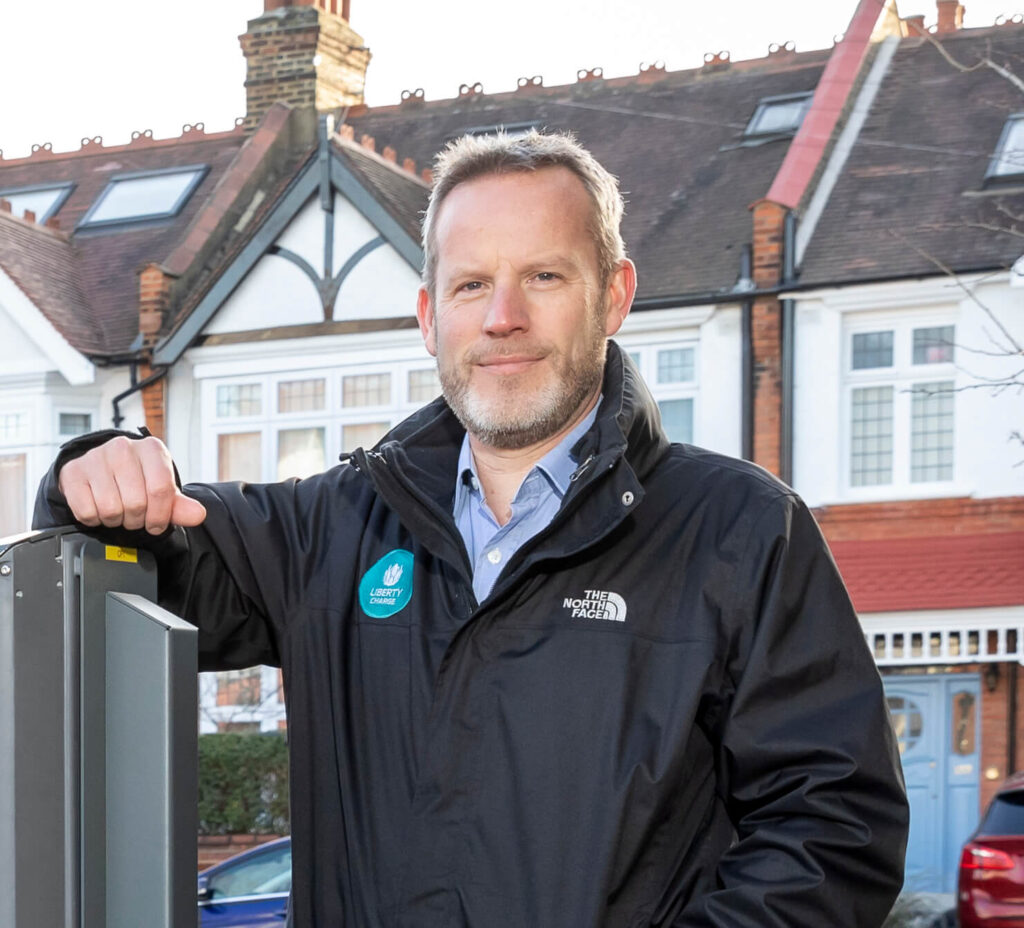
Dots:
{"x": 907, "y": 721}
{"x": 964, "y": 724}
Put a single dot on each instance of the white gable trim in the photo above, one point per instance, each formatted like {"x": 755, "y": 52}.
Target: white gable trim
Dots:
{"x": 75, "y": 367}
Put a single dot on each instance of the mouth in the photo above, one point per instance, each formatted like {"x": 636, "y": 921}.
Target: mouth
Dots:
{"x": 507, "y": 364}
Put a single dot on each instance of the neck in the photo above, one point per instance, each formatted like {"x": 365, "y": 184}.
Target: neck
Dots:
{"x": 501, "y": 471}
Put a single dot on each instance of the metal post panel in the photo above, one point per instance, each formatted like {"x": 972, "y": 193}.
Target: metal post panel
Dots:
{"x": 96, "y": 569}
{"x": 151, "y": 765}
{"x": 37, "y": 879}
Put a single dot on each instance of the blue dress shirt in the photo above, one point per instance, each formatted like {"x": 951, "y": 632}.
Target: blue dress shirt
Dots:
{"x": 538, "y": 498}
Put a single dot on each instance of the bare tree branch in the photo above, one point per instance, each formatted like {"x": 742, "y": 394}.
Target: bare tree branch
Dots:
{"x": 985, "y": 62}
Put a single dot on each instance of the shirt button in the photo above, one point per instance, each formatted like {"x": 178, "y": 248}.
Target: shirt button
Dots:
{"x": 494, "y": 555}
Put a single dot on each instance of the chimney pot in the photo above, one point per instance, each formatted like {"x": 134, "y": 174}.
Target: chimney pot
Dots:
{"x": 951, "y": 16}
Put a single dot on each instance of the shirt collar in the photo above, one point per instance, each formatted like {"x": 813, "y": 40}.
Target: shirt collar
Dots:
{"x": 558, "y": 465}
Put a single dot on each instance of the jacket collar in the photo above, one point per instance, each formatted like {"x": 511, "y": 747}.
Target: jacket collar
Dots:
{"x": 414, "y": 466}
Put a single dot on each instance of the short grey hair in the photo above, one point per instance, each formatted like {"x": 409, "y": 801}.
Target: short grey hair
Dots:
{"x": 470, "y": 157}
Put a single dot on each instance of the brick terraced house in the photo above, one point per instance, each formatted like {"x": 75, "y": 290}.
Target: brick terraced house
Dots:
{"x": 829, "y": 247}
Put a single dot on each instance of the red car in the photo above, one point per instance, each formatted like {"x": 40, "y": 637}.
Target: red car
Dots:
{"x": 991, "y": 890}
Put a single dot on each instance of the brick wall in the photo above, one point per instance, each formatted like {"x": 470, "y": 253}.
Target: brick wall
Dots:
{"x": 766, "y": 335}
{"x": 303, "y": 56}
{"x": 926, "y": 518}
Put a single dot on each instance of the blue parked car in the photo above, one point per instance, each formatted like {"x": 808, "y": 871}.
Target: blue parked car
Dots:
{"x": 250, "y": 889}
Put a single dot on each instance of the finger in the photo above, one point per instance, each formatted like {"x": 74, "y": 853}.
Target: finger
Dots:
{"x": 187, "y": 511}
{"x": 131, "y": 486}
{"x": 106, "y": 494}
{"x": 161, "y": 489}
{"x": 78, "y": 494}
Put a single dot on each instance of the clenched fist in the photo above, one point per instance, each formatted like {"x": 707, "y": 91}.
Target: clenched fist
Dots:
{"x": 129, "y": 483}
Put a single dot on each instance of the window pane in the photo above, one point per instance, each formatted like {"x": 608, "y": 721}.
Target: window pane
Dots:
{"x": 424, "y": 385}
{"x": 300, "y": 452}
{"x": 13, "y": 518}
{"x": 934, "y": 345}
{"x": 239, "y": 687}
{"x": 779, "y": 116}
{"x": 254, "y": 875}
{"x": 136, "y": 197}
{"x": 871, "y": 437}
{"x": 675, "y": 365}
{"x": 75, "y": 423}
{"x": 13, "y": 426}
{"x": 240, "y": 399}
{"x": 366, "y": 390}
{"x": 238, "y": 457}
{"x": 363, "y": 435}
{"x": 872, "y": 349}
{"x": 1011, "y": 155}
{"x": 300, "y": 395}
{"x": 931, "y": 432}
{"x": 40, "y": 202}
{"x": 677, "y": 419}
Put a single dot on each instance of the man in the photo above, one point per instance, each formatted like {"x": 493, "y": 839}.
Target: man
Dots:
{"x": 543, "y": 668}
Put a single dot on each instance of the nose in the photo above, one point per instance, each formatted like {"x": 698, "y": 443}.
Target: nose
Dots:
{"x": 507, "y": 311}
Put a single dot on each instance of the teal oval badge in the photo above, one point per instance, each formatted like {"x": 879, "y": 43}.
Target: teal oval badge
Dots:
{"x": 386, "y": 588}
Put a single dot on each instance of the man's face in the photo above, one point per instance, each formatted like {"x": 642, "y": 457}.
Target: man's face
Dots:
{"x": 519, "y": 317}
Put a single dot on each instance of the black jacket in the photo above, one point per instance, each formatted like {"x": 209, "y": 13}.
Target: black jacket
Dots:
{"x": 664, "y": 713}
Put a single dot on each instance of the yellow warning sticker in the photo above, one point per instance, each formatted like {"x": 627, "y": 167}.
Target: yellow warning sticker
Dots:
{"x": 128, "y": 555}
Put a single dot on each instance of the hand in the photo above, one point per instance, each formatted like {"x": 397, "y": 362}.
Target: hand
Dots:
{"x": 130, "y": 483}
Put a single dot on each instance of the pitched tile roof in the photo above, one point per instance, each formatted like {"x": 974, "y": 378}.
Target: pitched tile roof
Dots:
{"x": 44, "y": 265}
{"x": 108, "y": 259}
{"x": 401, "y": 193}
{"x": 940, "y": 572}
{"x": 672, "y": 139}
{"x": 914, "y": 183}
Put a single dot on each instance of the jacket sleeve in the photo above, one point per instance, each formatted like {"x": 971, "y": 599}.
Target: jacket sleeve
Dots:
{"x": 808, "y": 766}
{"x": 225, "y": 576}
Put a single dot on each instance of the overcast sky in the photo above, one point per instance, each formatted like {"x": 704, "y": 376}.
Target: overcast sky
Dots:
{"x": 70, "y": 69}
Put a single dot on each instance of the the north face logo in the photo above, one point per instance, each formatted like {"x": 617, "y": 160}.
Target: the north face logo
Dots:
{"x": 597, "y": 604}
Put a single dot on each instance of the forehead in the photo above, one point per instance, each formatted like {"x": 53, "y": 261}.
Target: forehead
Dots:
{"x": 549, "y": 204}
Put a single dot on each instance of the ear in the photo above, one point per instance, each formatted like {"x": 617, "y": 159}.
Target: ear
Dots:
{"x": 425, "y": 317}
{"x": 619, "y": 296}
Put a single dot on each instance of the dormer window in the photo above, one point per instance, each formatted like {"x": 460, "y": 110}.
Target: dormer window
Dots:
{"x": 779, "y": 115}
{"x": 1008, "y": 160}
{"x": 144, "y": 195}
{"x": 42, "y": 199}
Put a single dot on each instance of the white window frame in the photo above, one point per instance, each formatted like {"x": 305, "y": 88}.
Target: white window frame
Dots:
{"x": 683, "y": 390}
{"x": 331, "y": 418}
{"x": 901, "y": 376}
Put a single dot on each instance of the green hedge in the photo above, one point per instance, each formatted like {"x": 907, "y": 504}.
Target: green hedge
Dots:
{"x": 243, "y": 784}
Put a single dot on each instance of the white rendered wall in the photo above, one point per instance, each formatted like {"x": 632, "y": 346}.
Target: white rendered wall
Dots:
{"x": 277, "y": 292}
{"x": 984, "y": 453}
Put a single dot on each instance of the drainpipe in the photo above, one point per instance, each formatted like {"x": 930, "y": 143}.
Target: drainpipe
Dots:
{"x": 1011, "y": 720}
{"x": 134, "y": 388}
{"x": 788, "y": 360}
{"x": 746, "y": 282}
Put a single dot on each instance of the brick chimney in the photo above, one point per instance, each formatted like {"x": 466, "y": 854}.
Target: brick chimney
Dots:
{"x": 304, "y": 53}
{"x": 951, "y": 16}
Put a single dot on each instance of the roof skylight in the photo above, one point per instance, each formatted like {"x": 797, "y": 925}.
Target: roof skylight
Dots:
{"x": 1008, "y": 161}
{"x": 43, "y": 200}
{"x": 144, "y": 195}
{"x": 779, "y": 115}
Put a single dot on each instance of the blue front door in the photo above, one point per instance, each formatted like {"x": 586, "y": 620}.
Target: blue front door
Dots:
{"x": 937, "y": 723}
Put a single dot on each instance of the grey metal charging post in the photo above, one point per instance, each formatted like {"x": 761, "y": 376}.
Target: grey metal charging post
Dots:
{"x": 98, "y": 740}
